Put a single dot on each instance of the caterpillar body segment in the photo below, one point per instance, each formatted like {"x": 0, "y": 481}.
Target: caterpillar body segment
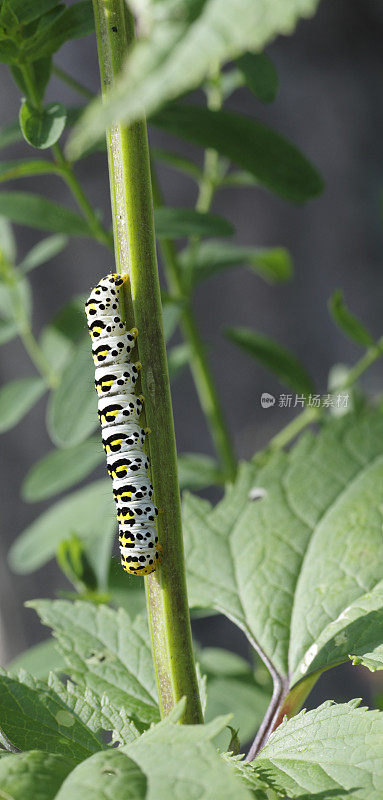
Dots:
{"x": 123, "y": 438}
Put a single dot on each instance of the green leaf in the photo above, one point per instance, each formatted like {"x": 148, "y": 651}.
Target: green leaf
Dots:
{"x": 176, "y": 223}
{"x": 276, "y": 358}
{"x": 180, "y": 761}
{"x": 35, "y": 775}
{"x": 260, "y": 75}
{"x": 43, "y": 251}
{"x": 42, "y": 127}
{"x": 272, "y": 263}
{"x": 347, "y": 322}
{"x": 14, "y": 294}
{"x": 105, "y": 775}
{"x": 40, "y": 73}
{"x": 63, "y": 331}
{"x": 276, "y": 163}
{"x": 73, "y": 23}
{"x": 315, "y": 533}
{"x": 17, "y": 398}
{"x": 9, "y": 170}
{"x": 72, "y": 410}
{"x": 10, "y": 133}
{"x": 8, "y": 331}
{"x": 178, "y": 359}
{"x": 61, "y": 469}
{"x": 171, "y": 314}
{"x": 177, "y": 162}
{"x": 124, "y": 590}
{"x": 7, "y": 241}
{"x": 106, "y": 651}
{"x": 333, "y": 751}
{"x": 35, "y": 211}
{"x": 197, "y": 471}
{"x": 180, "y": 49}
{"x": 28, "y": 10}
{"x": 39, "y": 660}
{"x": 33, "y": 715}
{"x": 89, "y": 512}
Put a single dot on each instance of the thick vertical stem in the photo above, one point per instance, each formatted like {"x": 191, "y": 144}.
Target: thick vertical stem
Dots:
{"x": 131, "y": 197}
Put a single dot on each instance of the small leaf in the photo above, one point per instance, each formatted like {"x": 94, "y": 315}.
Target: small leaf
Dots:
{"x": 260, "y": 75}
{"x": 177, "y": 223}
{"x": 275, "y": 162}
{"x": 8, "y": 331}
{"x": 9, "y": 170}
{"x": 17, "y": 398}
{"x": 61, "y": 469}
{"x": 347, "y": 322}
{"x": 42, "y": 127}
{"x": 109, "y": 774}
{"x": 332, "y": 751}
{"x": 39, "y": 660}
{"x": 178, "y": 359}
{"x": 72, "y": 560}
{"x": 89, "y": 512}
{"x": 274, "y": 357}
{"x": 72, "y": 410}
{"x": 10, "y": 133}
{"x": 273, "y": 264}
{"x": 171, "y": 314}
{"x": 43, "y": 251}
{"x": 34, "y": 775}
{"x": 197, "y": 471}
{"x": 32, "y": 714}
{"x": 107, "y": 651}
{"x": 30, "y": 209}
{"x": 178, "y": 162}
{"x": 7, "y": 241}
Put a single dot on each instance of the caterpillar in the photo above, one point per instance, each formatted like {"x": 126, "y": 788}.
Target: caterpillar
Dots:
{"x": 122, "y": 435}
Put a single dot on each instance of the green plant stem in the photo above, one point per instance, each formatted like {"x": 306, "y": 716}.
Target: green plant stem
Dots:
{"x": 76, "y": 85}
{"x": 206, "y": 389}
{"x": 135, "y": 252}
{"x": 372, "y": 354}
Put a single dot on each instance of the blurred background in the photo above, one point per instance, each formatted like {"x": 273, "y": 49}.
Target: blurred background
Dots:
{"x": 330, "y": 103}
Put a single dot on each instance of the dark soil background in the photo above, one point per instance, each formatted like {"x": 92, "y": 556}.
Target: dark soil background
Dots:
{"x": 330, "y": 103}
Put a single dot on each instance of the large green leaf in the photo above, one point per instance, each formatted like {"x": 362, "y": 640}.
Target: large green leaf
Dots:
{"x": 273, "y": 356}
{"x": 61, "y": 469}
{"x": 105, "y": 775}
{"x": 89, "y": 512}
{"x": 176, "y": 223}
{"x": 34, "y": 775}
{"x": 183, "y": 43}
{"x": 106, "y": 651}
{"x": 72, "y": 411}
{"x": 72, "y": 23}
{"x": 306, "y": 555}
{"x": 28, "y": 10}
{"x": 33, "y": 715}
{"x": 275, "y": 162}
{"x": 333, "y": 751}
{"x": 36, "y": 211}
{"x": 272, "y": 263}
{"x": 17, "y": 398}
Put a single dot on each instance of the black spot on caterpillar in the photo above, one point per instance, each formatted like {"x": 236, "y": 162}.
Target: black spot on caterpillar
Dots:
{"x": 122, "y": 436}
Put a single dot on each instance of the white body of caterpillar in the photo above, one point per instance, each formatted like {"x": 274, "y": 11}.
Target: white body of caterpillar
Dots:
{"x": 122, "y": 435}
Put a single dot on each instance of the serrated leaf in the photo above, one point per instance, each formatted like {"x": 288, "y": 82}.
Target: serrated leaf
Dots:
{"x": 35, "y": 775}
{"x": 89, "y": 513}
{"x": 177, "y": 223}
{"x": 291, "y": 562}
{"x": 106, "y": 650}
{"x": 34, "y": 716}
{"x": 273, "y": 356}
{"x": 42, "y": 127}
{"x": 36, "y": 211}
{"x": 276, "y": 163}
{"x": 347, "y": 322}
{"x": 180, "y": 761}
{"x": 105, "y": 775}
{"x": 43, "y": 251}
{"x": 333, "y": 751}
{"x": 17, "y": 398}
{"x": 260, "y": 75}
{"x": 61, "y": 469}
{"x": 197, "y": 471}
{"x": 272, "y": 263}
{"x": 22, "y": 168}
{"x": 72, "y": 410}
{"x": 180, "y": 48}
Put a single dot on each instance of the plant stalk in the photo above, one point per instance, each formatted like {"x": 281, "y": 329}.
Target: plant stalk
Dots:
{"x": 132, "y": 208}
